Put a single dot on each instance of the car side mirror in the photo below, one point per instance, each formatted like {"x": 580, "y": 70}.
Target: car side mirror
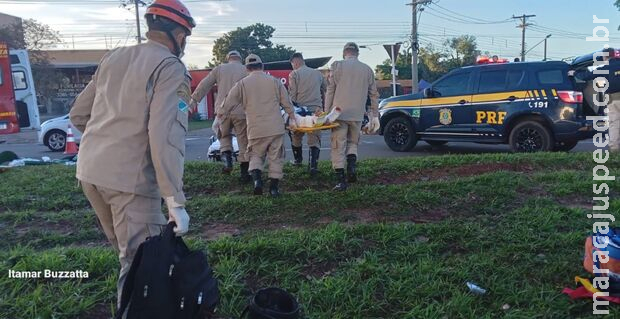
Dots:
{"x": 428, "y": 93}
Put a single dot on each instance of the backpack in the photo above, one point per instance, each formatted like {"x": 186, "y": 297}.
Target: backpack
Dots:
{"x": 609, "y": 243}
{"x": 167, "y": 280}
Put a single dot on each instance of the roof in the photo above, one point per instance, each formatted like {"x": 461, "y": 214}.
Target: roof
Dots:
{"x": 74, "y": 58}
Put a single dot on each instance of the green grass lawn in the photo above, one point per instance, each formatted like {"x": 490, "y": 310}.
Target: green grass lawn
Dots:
{"x": 198, "y": 125}
{"x": 401, "y": 243}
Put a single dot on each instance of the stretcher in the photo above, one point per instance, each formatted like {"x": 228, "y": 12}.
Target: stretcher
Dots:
{"x": 317, "y": 128}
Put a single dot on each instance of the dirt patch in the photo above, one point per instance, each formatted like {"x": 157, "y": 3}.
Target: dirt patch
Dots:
{"x": 319, "y": 269}
{"x": 446, "y": 173}
{"x": 99, "y": 311}
{"x": 217, "y": 231}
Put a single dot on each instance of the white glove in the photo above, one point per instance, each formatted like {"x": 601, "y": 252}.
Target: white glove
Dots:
{"x": 178, "y": 215}
{"x": 373, "y": 125}
{"x": 193, "y": 105}
{"x": 571, "y": 73}
{"x": 292, "y": 123}
{"x": 216, "y": 126}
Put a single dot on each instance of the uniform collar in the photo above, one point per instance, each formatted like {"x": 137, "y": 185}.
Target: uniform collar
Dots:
{"x": 159, "y": 44}
{"x": 351, "y": 57}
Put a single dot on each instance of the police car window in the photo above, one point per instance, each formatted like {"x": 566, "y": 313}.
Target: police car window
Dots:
{"x": 19, "y": 80}
{"x": 492, "y": 81}
{"x": 516, "y": 79}
{"x": 14, "y": 59}
{"x": 550, "y": 77}
{"x": 453, "y": 85}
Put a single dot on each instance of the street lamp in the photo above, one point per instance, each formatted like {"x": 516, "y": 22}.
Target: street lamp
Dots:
{"x": 537, "y": 44}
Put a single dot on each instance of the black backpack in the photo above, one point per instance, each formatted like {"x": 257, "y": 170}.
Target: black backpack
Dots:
{"x": 167, "y": 280}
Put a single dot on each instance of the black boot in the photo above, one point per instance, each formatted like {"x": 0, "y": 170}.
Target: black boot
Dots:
{"x": 258, "y": 182}
{"x": 351, "y": 165}
{"x": 273, "y": 187}
{"x": 314, "y": 161}
{"x": 228, "y": 162}
{"x": 245, "y": 176}
{"x": 297, "y": 155}
{"x": 342, "y": 181}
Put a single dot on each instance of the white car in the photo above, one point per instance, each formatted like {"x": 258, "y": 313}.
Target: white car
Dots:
{"x": 53, "y": 133}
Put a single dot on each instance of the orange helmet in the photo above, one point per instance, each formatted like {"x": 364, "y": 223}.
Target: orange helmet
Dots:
{"x": 174, "y": 10}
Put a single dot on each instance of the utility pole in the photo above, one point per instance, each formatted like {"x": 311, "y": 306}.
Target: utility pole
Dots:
{"x": 415, "y": 46}
{"x": 523, "y": 26}
{"x": 137, "y": 3}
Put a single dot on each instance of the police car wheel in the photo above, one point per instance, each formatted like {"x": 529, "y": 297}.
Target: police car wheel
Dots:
{"x": 399, "y": 135}
{"x": 530, "y": 137}
{"x": 437, "y": 143}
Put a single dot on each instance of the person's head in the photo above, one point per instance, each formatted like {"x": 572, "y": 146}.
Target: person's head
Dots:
{"x": 495, "y": 58}
{"x": 517, "y": 60}
{"x": 173, "y": 20}
{"x": 609, "y": 53}
{"x": 351, "y": 49}
{"x": 297, "y": 60}
{"x": 253, "y": 63}
{"x": 233, "y": 56}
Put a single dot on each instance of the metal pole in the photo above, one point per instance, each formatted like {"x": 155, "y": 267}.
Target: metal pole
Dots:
{"x": 414, "y": 47}
{"x": 523, "y": 26}
{"x": 545, "y": 59}
{"x": 393, "y": 72}
{"x": 137, "y": 3}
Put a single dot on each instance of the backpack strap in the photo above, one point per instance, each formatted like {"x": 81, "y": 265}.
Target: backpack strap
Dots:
{"x": 128, "y": 286}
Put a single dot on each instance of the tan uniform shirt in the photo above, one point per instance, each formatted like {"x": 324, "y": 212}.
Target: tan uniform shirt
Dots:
{"x": 260, "y": 96}
{"x": 306, "y": 86}
{"x": 351, "y": 83}
{"x": 225, "y": 76}
{"x": 134, "y": 117}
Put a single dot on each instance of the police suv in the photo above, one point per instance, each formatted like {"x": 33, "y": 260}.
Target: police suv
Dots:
{"x": 532, "y": 106}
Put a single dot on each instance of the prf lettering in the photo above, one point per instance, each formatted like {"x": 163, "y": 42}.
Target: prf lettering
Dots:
{"x": 490, "y": 117}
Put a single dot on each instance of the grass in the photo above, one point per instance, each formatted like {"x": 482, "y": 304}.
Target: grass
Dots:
{"x": 401, "y": 243}
{"x": 198, "y": 125}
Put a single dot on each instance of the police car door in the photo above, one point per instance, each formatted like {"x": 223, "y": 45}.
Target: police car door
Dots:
{"x": 500, "y": 92}
{"x": 445, "y": 114}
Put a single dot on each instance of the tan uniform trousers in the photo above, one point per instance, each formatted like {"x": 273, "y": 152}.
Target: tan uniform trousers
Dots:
{"x": 271, "y": 147}
{"x": 345, "y": 139}
{"x": 314, "y": 138}
{"x": 614, "y": 123}
{"x": 241, "y": 131}
{"x": 127, "y": 220}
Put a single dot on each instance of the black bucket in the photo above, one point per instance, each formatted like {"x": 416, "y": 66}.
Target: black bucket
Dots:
{"x": 272, "y": 303}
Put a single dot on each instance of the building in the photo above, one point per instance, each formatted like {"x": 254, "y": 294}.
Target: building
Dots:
{"x": 15, "y": 23}
{"x": 77, "y": 67}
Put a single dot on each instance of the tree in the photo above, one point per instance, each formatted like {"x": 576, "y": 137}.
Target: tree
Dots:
{"x": 462, "y": 50}
{"x": 403, "y": 65}
{"x": 37, "y": 37}
{"x": 251, "y": 39}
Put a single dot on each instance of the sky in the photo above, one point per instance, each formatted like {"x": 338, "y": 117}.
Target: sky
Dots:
{"x": 320, "y": 28}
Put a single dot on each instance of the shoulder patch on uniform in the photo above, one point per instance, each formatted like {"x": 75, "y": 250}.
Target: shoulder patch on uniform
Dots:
{"x": 183, "y": 107}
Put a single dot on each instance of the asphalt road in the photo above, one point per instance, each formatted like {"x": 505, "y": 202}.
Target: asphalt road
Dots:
{"x": 371, "y": 147}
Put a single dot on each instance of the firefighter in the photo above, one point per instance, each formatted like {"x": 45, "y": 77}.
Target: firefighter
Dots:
{"x": 225, "y": 76}
{"x": 351, "y": 83}
{"x": 306, "y": 88}
{"x": 261, "y": 95}
{"x": 612, "y": 77}
{"x": 134, "y": 115}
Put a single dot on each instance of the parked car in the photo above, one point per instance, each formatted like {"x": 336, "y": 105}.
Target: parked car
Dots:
{"x": 532, "y": 106}
{"x": 53, "y": 133}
